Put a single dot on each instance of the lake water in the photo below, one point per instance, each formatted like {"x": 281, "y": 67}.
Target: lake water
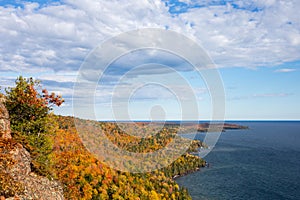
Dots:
{"x": 260, "y": 163}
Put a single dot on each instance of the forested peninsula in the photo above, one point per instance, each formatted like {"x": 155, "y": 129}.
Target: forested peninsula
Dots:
{"x": 42, "y": 155}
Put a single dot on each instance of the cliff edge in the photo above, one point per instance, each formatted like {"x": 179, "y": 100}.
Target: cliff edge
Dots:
{"x": 16, "y": 179}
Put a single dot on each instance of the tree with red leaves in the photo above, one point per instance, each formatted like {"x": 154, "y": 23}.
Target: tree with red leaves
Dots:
{"x": 30, "y": 120}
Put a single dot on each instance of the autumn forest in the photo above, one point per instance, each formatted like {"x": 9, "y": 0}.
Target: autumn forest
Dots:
{"x": 58, "y": 153}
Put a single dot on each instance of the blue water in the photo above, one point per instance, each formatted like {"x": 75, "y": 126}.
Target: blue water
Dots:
{"x": 260, "y": 163}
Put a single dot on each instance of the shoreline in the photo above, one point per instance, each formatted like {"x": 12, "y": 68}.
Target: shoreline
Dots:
{"x": 186, "y": 173}
{"x": 191, "y": 171}
{"x": 204, "y": 127}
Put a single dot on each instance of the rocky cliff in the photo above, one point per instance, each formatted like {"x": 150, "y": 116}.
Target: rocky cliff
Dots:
{"x": 4, "y": 121}
{"x": 16, "y": 179}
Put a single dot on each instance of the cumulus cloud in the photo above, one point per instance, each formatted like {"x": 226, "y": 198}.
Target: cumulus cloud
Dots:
{"x": 51, "y": 41}
{"x": 58, "y": 36}
{"x": 265, "y": 33}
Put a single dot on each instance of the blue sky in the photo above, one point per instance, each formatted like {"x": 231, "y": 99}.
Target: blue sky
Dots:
{"x": 254, "y": 44}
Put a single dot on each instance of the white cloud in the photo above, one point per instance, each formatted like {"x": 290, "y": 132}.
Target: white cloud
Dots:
{"x": 68, "y": 30}
{"x": 241, "y": 37}
{"x": 285, "y": 70}
{"x": 51, "y": 41}
{"x": 59, "y": 36}
{"x": 61, "y": 77}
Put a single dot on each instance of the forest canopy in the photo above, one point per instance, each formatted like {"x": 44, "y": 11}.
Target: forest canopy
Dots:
{"x": 58, "y": 152}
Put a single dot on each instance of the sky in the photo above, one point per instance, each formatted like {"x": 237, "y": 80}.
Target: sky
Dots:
{"x": 253, "y": 45}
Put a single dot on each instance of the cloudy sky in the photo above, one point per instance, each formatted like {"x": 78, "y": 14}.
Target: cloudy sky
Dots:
{"x": 254, "y": 46}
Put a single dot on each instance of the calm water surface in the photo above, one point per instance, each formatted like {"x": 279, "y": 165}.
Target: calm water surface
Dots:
{"x": 260, "y": 163}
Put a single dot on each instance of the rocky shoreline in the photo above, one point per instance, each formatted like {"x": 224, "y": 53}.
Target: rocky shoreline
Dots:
{"x": 186, "y": 173}
{"x": 204, "y": 127}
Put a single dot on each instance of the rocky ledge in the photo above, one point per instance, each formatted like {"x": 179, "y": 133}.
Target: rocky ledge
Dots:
{"x": 16, "y": 179}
